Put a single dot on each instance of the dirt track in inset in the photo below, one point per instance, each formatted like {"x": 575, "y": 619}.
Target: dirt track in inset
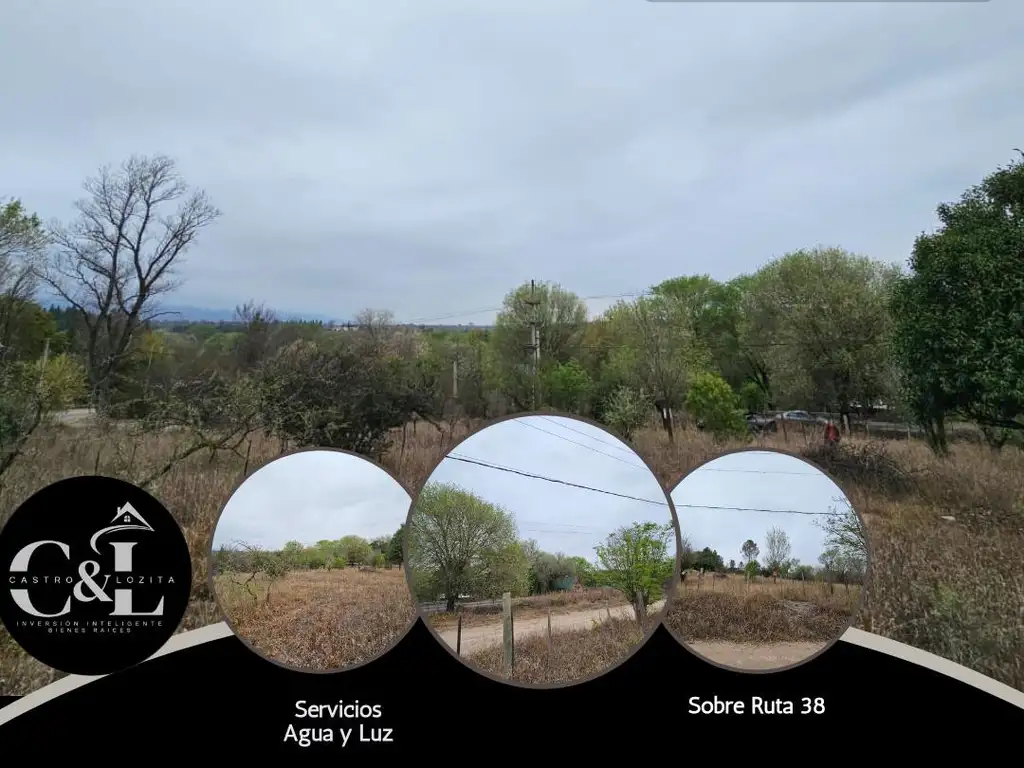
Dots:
{"x": 756, "y": 655}
{"x": 489, "y": 635}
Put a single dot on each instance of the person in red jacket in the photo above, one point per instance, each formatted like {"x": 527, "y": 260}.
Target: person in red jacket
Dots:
{"x": 831, "y": 434}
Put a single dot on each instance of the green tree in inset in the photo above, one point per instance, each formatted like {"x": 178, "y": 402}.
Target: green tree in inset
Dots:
{"x": 456, "y": 542}
{"x": 637, "y": 562}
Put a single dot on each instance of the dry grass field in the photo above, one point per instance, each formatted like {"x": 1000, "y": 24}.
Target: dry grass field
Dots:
{"x": 735, "y": 611}
{"x": 947, "y": 536}
{"x": 319, "y": 620}
{"x": 573, "y": 656}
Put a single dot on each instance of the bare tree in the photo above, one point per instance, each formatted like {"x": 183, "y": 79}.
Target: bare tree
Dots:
{"x": 120, "y": 254}
{"x": 776, "y": 549}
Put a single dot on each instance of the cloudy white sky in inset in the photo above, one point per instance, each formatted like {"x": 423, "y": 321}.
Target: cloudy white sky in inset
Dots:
{"x": 310, "y": 496}
{"x": 428, "y": 156}
{"x": 558, "y": 517}
{"x": 755, "y": 480}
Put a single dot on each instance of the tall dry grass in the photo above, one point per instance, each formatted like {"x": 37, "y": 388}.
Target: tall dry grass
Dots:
{"x": 573, "y": 656}
{"x": 319, "y": 620}
{"x": 952, "y": 587}
{"x": 733, "y": 609}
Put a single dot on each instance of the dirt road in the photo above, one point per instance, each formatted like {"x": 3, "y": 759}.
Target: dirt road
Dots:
{"x": 751, "y": 656}
{"x": 478, "y": 638}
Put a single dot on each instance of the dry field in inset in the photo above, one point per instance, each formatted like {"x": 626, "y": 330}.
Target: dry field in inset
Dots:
{"x": 947, "y": 535}
{"x": 763, "y": 611}
{"x": 733, "y": 621}
{"x": 319, "y": 620}
{"x": 534, "y": 607}
{"x": 573, "y": 656}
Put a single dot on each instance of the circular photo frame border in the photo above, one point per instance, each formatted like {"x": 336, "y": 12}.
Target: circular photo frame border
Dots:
{"x": 211, "y": 571}
{"x": 658, "y": 618}
{"x": 854, "y": 614}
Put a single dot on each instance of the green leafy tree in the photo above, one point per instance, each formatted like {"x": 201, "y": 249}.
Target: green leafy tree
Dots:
{"x": 827, "y": 328}
{"x": 960, "y": 313}
{"x": 658, "y": 350}
{"x": 568, "y": 387}
{"x": 394, "y": 550}
{"x": 454, "y": 540}
{"x": 750, "y": 550}
{"x": 712, "y": 310}
{"x": 355, "y": 550}
{"x": 712, "y": 401}
{"x": 561, "y": 319}
{"x": 637, "y": 561}
{"x": 626, "y": 411}
{"x": 29, "y": 394}
{"x": 708, "y": 560}
{"x": 22, "y": 244}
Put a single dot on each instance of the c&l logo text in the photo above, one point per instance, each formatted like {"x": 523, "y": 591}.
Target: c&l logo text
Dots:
{"x": 104, "y": 577}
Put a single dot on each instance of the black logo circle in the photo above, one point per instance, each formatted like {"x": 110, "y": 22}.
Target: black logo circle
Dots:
{"x": 96, "y": 575}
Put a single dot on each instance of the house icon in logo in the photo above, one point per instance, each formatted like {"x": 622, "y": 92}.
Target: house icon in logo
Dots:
{"x": 129, "y": 515}
{"x": 126, "y": 519}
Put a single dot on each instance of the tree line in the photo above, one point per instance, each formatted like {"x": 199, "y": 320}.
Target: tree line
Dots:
{"x": 327, "y": 554}
{"x": 819, "y": 328}
{"x": 462, "y": 546}
{"x": 843, "y": 558}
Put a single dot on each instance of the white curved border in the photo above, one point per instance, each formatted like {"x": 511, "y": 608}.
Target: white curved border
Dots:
{"x": 853, "y": 636}
{"x": 71, "y": 682}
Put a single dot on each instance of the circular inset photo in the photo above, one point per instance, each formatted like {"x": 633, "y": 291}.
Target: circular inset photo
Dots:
{"x": 306, "y": 562}
{"x": 541, "y": 550}
{"x": 774, "y": 560}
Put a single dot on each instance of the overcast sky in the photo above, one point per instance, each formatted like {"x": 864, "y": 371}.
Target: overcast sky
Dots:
{"x": 429, "y": 155}
{"x": 560, "y": 518}
{"x": 746, "y": 484}
{"x": 310, "y": 496}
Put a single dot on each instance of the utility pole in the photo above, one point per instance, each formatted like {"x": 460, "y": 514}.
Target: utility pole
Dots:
{"x": 43, "y": 362}
{"x": 455, "y": 372}
{"x": 534, "y": 346}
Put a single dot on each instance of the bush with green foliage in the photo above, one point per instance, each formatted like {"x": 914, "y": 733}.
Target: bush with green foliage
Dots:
{"x": 713, "y": 403}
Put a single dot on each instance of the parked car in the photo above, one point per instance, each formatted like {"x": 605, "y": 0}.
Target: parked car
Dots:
{"x": 759, "y": 423}
{"x": 801, "y": 417}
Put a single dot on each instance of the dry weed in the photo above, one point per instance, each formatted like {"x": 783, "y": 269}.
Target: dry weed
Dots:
{"x": 534, "y": 607}
{"x": 574, "y": 655}
{"x": 319, "y": 620}
{"x": 756, "y": 617}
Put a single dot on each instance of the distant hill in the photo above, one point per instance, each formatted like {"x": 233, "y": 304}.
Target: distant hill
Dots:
{"x": 207, "y": 315}
{"x": 188, "y": 313}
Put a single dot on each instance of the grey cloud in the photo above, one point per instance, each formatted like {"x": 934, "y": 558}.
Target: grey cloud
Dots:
{"x": 362, "y": 153}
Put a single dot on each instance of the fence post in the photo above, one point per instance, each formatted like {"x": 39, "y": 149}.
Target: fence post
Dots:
{"x": 549, "y": 633}
{"x": 508, "y": 641}
{"x": 458, "y": 637}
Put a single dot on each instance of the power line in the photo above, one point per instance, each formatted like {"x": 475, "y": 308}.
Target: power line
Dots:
{"x": 468, "y": 460}
{"x": 581, "y": 445}
{"x": 472, "y": 312}
{"x": 488, "y": 465}
{"x": 677, "y": 505}
{"x": 759, "y": 471}
{"x": 591, "y": 437}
